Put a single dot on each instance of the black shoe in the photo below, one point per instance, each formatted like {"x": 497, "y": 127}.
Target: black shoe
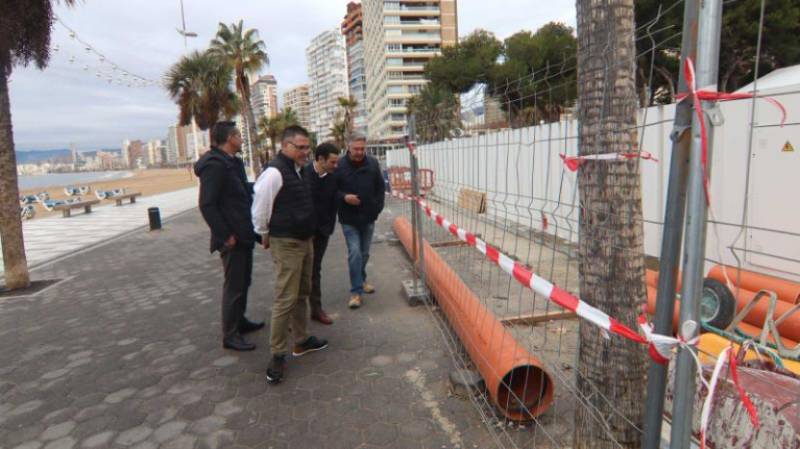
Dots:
{"x": 238, "y": 343}
{"x": 248, "y": 326}
{"x": 275, "y": 369}
{"x": 311, "y": 344}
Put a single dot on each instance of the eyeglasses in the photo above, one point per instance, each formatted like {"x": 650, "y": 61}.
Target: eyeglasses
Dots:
{"x": 300, "y": 147}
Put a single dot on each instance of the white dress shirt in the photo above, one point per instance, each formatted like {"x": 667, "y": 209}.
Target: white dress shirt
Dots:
{"x": 266, "y": 189}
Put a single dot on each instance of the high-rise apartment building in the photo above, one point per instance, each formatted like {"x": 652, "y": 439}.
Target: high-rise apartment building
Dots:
{"x": 400, "y": 37}
{"x": 326, "y": 62}
{"x": 297, "y": 98}
{"x": 353, "y": 31}
{"x": 264, "y": 97}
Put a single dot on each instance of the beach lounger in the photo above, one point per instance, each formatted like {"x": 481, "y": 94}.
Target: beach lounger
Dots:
{"x": 51, "y": 205}
{"x": 27, "y": 212}
{"x": 77, "y": 190}
{"x": 28, "y": 199}
{"x": 108, "y": 194}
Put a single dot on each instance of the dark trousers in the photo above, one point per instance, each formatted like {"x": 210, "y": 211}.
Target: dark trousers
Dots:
{"x": 320, "y": 245}
{"x": 238, "y": 266}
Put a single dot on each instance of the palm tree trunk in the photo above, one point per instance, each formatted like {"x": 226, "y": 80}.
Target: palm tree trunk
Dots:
{"x": 611, "y": 372}
{"x": 250, "y": 120}
{"x": 14, "y": 261}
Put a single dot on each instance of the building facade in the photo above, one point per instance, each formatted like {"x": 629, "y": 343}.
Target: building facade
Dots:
{"x": 298, "y": 100}
{"x": 400, "y": 37}
{"x": 326, "y": 62}
{"x": 353, "y": 31}
{"x": 264, "y": 97}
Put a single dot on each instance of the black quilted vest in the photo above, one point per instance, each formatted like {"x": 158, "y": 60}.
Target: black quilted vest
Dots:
{"x": 293, "y": 211}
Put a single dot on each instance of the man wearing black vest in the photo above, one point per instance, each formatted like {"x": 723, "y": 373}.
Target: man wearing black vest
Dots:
{"x": 225, "y": 201}
{"x": 283, "y": 214}
{"x": 320, "y": 175}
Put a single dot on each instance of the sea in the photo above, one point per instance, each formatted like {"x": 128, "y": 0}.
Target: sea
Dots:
{"x": 67, "y": 179}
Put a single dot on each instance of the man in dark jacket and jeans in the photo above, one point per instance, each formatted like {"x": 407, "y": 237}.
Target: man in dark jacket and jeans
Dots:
{"x": 361, "y": 195}
{"x": 319, "y": 174}
{"x": 225, "y": 201}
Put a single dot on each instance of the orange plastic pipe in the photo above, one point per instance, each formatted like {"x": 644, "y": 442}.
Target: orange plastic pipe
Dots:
{"x": 517, "y": 382}
{"x": 789, "y": 329}
{"x": 787, "y": 291}
{"x": 652, "y": 279}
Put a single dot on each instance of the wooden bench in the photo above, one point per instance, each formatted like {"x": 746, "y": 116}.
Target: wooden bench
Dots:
{"x": 66, "y": 209}
{"x": 132, "y": 196}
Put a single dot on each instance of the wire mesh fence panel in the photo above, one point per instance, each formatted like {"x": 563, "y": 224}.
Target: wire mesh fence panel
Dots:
{"x": 513, "y": 191}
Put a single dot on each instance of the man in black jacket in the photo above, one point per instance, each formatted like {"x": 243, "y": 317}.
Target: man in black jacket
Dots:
{"x": 320, "y": 175}
{"x": 361, "y": 196}
{"x": 225, "y": 201}
{"x": 283, "y": 214}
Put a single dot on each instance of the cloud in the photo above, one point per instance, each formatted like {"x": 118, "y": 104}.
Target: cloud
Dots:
{"x": 66, "y": 104}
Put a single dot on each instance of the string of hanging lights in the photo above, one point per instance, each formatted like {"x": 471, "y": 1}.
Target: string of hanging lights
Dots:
{"x": 99, "y": 63}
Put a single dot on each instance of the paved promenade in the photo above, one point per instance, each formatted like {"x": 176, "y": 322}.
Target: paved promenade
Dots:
{"x": 125, "y": 352}
{"x": 49, "y": 238}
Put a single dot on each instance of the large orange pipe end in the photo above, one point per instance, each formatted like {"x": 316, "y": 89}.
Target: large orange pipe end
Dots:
{"x": 517, "y": 383}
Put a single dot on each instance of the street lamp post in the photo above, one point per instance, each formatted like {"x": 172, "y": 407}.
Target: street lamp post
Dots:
{"x": 182, "y": 31}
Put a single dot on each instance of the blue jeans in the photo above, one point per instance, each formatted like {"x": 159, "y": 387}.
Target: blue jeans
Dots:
{"x": 359, "y": 239}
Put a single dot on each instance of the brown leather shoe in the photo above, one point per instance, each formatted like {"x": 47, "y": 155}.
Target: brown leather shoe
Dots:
{"x": 368, "y": 289}
{"x": 322, "y": 317}
{"x": 355, "y": 301}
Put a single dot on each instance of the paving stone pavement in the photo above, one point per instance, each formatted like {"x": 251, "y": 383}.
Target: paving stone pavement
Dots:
{"x": 126, "y": 353}
{"x": 53, "y": 237}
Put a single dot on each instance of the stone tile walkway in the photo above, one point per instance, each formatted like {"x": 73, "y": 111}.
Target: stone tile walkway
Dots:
{"x": 49, "y": 238}
{"x": 126, "y": 353}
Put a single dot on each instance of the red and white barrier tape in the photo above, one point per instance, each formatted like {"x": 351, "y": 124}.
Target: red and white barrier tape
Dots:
{"x": 696, "y": 96}
{"x": 573, "y": 163}
{"x": 661, "y": 345}
{"x": 726, "y": 356}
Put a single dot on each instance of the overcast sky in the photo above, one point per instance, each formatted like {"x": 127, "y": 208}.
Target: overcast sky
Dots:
{"x": 67, "y": 103}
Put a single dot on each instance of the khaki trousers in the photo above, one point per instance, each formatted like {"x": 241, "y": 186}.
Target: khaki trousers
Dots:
{"x": 293, "y": 265}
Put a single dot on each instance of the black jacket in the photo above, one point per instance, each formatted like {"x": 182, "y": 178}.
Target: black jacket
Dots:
{"x": 293, "y": 209}
{"x": 323, "y": 191}
{"x": 225, "y": 199}
{"x": 365, "y": 181}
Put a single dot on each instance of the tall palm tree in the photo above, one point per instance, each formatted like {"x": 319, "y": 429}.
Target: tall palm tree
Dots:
{"x": 246, "y": 54}
{"x": 611, "y": 372}
{"x": 348, "y": 105}
{"x": 25, "y": 28}
{"x": 200, "y": 84}
{"x": 272, "y": 128}
{"x": 436, "y": 111}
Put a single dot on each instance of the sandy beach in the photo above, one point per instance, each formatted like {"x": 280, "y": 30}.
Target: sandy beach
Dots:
{"x": 147, "y": 182}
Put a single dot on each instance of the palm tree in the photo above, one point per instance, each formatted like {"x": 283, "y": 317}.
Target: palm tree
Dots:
{"x": 246, "y": 54}
{"x": 348, "y": 105}
{"x": 436, "y": 112}
{"x": 200, "y": 84}
{"x": 611, "y": 372}
{"x": 340, "y": 132}
{"x": 272, "y": 128}
{"x": 24, "y": 38}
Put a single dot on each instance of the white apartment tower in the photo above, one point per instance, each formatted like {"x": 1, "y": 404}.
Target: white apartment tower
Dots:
{"x": 264, "y": 97}
{"x": 326, "y": 62}
{"x": 353, "y": 31}
{"x": 400, "y": 37}
{"x": 297, "y": 99}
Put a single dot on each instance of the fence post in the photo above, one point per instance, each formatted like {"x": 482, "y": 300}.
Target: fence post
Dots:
{"x": 416, "y": 209}
{"x": 669, "y": 261}
{"x": 707, "y": 62}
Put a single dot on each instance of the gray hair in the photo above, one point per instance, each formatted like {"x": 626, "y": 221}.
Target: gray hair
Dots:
{"x": 358, "y": 137}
